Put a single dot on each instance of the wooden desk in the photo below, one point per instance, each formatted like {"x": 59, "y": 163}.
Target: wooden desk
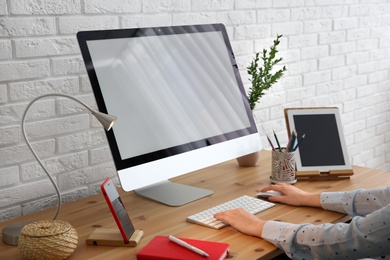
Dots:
{"x": 228, "y": 181}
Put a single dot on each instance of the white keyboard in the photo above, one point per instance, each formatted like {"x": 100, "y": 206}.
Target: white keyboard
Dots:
{"x": 206, "y": 217}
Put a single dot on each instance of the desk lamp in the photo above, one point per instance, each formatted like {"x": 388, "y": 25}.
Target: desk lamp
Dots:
{"x": 11, "y": 233}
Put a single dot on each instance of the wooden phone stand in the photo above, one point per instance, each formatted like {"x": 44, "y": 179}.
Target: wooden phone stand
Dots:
{"x": 112, "y": 237}
{"x": 317, "y": 175}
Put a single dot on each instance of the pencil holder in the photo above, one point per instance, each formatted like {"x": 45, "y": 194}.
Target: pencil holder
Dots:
{"x": 283, "y": 166}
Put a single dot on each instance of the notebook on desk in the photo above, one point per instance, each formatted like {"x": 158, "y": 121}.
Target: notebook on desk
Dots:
{"x": 160, "y": 247}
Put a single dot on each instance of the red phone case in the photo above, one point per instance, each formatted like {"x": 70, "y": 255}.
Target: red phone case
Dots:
{"x": 110, "y": 205}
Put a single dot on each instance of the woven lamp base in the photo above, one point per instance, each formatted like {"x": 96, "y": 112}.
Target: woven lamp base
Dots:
{"x": 47, "y": 239}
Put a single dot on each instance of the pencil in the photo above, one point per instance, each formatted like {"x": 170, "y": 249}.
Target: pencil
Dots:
{"x": 299, "y": 142}
{"x": 291, "y": 142}
{"x": 277, "y": 141}
{"x": 270, "y": 143}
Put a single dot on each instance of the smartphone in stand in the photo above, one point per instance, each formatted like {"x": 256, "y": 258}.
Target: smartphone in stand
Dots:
{"x": 117, "y": 209}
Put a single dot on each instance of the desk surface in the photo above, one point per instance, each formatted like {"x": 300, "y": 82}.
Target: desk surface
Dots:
{"x": 228, "y": 181}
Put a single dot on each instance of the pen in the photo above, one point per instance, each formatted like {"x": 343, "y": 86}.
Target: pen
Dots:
{"x": 188, "y": 246}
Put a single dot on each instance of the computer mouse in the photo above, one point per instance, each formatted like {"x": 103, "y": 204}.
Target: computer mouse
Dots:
{"x": 267, "y": 194}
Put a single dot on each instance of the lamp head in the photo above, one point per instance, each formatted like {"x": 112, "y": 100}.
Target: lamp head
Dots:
{"x": 106, "y": 120}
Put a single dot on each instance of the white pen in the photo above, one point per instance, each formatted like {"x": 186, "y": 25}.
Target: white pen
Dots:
{"x": 188, "y": 246}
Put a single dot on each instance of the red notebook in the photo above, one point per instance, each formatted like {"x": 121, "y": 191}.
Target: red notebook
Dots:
{"x": 160, "y": 247}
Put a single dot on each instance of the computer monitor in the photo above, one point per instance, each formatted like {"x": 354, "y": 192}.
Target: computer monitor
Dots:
{"x": 180, "y": 103}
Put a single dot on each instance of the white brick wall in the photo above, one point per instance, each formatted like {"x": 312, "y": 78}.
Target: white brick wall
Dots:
{"x": 337, "y": 54}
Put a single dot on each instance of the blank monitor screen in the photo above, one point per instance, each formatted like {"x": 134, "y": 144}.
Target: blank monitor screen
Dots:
{"x": 173, "y": 89}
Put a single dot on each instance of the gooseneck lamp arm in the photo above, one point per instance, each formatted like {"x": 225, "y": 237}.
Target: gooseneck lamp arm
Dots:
{"x": 12, "y": 232}
{"x": 106, "y": 120}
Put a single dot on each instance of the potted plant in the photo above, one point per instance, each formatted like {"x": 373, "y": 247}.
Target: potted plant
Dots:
{"x": 262, "y": 78}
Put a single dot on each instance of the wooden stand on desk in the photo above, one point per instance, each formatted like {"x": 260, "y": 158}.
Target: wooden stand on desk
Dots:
{"x": 112, "y": 237}
{"x": 317, "y": 175}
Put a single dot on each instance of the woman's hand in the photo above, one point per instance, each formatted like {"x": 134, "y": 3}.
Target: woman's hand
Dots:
{"x": 243, "y": 221}
{"x": 293, "y": 196}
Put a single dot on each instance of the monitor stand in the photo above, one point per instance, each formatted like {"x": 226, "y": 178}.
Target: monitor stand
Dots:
{"x": 172, "y": 194}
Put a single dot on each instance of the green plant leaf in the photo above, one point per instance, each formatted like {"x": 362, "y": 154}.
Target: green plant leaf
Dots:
{"x": 262, "y": 77}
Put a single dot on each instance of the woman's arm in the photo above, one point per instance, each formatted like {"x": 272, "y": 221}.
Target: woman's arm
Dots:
{"x": 364, "y": 237}
{"x": 354, "y": 203}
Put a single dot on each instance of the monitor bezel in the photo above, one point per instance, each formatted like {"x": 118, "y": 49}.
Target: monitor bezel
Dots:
{"x": 85, "y": 36}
